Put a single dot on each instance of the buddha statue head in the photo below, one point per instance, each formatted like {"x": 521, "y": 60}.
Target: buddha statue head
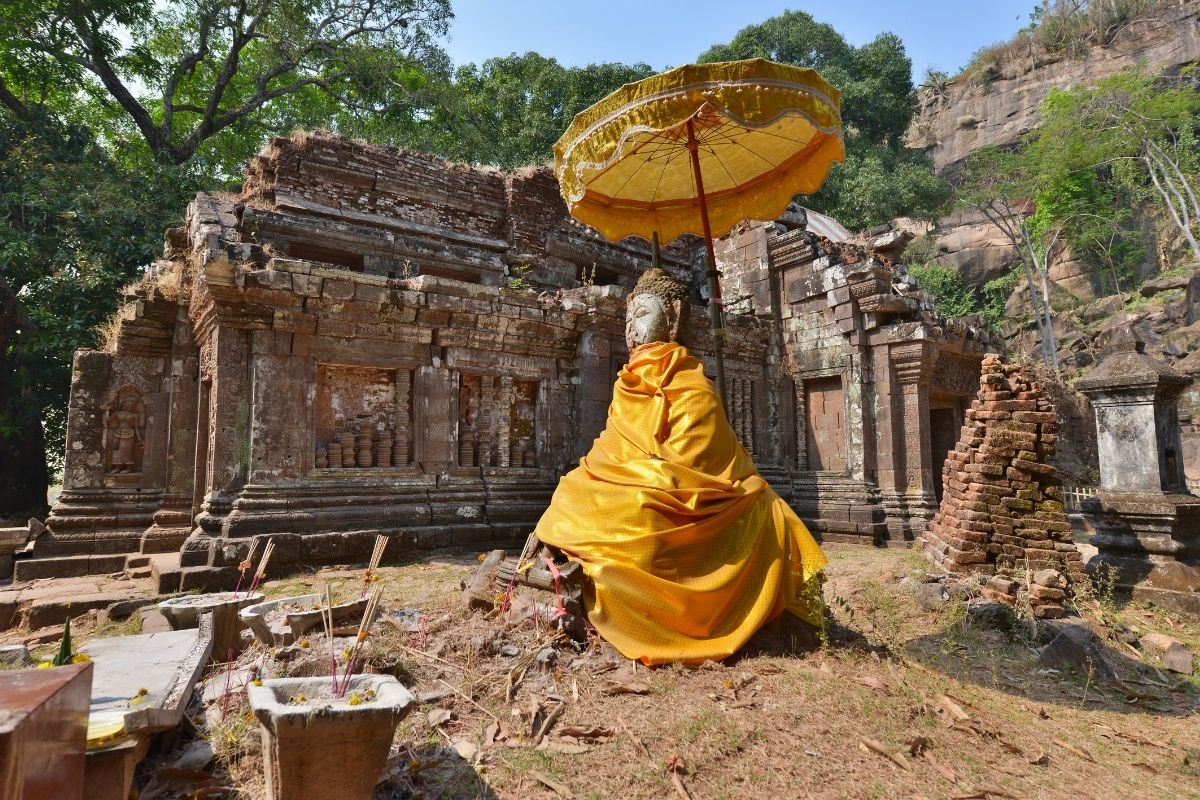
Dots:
{"x": 656, "y": 309}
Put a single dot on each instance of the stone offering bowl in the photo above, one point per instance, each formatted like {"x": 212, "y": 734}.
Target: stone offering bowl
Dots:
{"x": 185, "y": 612}
{"x": 274, "y": 630}
{"x": 316, "y": 746}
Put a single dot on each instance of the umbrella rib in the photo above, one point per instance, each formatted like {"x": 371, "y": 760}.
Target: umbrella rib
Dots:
{"x": 757, "y": 155}
{"x": 637, "y": 149}
{"x": 617, "y": 193}
{"x": 662, "y": 173}
{"x": 732, "y": 180}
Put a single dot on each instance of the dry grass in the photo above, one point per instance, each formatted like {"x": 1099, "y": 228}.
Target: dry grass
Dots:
{"x": 868, "y": 718}
{"x": 170, "y": 280}
{"x": 1066, "y": 27}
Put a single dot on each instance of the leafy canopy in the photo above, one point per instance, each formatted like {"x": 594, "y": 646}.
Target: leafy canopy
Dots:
{"x": 881, "y": 179}
{"x": 75, "y": 226}
{"x": 181, "y": 72}
{"x": 1130, "y": 140}
{"x": 509, "y": 111}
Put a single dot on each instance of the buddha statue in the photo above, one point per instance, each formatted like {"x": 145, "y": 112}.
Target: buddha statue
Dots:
{"x": 686, "y": 550}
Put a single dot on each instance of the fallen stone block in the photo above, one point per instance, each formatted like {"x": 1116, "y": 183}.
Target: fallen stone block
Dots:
{"x": 1171, "y": 652}
{"x": 14, "y": 654}
{"x": 1077, "y": 649}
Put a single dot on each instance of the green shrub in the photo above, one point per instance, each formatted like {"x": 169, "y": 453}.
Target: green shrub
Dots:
{"x": 952, "y": 296}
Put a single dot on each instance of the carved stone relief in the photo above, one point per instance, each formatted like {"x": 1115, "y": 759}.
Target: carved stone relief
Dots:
{"x": 124, "y": 432}
{"x": 954, "y": 375}
{"x": 497, "y": 421}
{"x": 739, "y": 406}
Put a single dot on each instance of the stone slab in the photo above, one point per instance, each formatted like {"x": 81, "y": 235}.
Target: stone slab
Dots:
{"x": 68, "y": 566}
{"x": 50, "y": 611}
{"x": 166, "y": 665}
{"x": 43, "y": 731}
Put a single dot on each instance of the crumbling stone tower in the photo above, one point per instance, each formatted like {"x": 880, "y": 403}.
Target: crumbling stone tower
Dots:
{"x": 1002, "y": 508}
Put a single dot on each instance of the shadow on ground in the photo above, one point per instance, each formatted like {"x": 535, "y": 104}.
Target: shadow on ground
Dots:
{"x": 431, "y": 772}
{"x": 1058, "y": 662}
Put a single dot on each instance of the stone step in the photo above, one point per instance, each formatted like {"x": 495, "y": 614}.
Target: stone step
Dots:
{"x": 137, "y": 565}
{"x": 165, "y": 572}
{"x": 67, "y": 566}
{"x": 54, "y": 611}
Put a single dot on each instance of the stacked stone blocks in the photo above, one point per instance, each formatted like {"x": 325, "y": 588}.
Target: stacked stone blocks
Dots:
{"x": 1002, "y": 508}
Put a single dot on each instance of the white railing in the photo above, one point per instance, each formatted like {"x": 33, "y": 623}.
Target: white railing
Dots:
{"x": 1073, "y": 496}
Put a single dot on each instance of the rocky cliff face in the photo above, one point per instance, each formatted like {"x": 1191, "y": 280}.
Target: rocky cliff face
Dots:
{"x": 969, "y": 113}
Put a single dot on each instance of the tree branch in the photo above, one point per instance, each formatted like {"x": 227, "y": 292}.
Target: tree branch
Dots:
{"x": 186, "y": 66}
{"x": 14, "y": 104}
{"x": 97, "y": 63}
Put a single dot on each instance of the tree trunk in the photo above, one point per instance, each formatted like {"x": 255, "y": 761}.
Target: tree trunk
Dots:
{"x": 23, "y": 469}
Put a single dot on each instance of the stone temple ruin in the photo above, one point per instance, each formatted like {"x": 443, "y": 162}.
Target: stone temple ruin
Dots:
{"x": 368, "y": 341}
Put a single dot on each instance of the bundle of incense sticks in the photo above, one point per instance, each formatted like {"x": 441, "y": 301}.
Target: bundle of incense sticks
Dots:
{"x": 245, "y": 565}
{"x": 327, "y": 621}
{"x": 376, "y": 557}
{"x": 261, "y": 572}
{"x": 363, "y": 627}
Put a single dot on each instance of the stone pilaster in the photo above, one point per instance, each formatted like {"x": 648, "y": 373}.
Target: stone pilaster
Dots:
{"x": 914, "y": 495}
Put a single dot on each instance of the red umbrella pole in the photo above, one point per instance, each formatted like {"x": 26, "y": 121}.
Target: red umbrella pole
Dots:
{"x": 714, "y": 283}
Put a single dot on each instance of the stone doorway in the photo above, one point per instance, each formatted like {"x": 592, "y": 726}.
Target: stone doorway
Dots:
{"x": 824, "y": 418}
{"x": 943, "y": 435}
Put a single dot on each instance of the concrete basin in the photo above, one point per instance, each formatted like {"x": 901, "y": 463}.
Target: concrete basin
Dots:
{"x": 316, "y": 746}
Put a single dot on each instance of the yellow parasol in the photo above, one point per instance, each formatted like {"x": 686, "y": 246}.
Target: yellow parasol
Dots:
{"x": 698, "y": 149}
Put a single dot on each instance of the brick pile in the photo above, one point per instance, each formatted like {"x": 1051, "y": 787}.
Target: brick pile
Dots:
{"x": 1045, "y": 592}
{"x": 1002, "y": 508}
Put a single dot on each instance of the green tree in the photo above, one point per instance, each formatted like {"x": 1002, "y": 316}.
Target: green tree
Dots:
{"x": 881, "y": 179}
{"x": 182, "y": 73}
{"x": 75, "y": 226}
{"x": 952, "y": 296}
{"x": 1132, "y": 138}
{"x": 1000, "y": 185}
{"x": 509, "y": 111}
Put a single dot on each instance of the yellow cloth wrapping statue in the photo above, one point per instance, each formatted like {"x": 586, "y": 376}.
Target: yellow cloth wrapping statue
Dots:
{"x": 688, "y": 550}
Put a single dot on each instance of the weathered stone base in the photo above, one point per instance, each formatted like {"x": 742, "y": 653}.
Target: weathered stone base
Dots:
{"x": 1149, "y": 546}
{"x": 838, "y": 508}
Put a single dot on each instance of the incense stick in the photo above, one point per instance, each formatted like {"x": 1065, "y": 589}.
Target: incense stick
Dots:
{"x": 261, "y": 572}
{"x": 329, "y": 635}
{"x": 376, "y": 556}
{"x": 363, "y": 627}
{"x": 245, "y": 565}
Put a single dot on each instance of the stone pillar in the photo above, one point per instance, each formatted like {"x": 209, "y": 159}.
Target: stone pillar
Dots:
{"x": 1147, "y": 524}
{"x": 912, "y": 365}
{"x": 173, "y": 520}
{"x": 229, "y": 426}
{"x": 504, "y": 429}
{"x": 593, "y": 392}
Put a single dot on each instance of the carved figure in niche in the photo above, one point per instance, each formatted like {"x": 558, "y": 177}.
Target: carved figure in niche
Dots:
{"x": 468, "y": 421}
{"x": 125, "y": 428}
{"x": 687, "y": 549}
{"x": 522, "y": 424}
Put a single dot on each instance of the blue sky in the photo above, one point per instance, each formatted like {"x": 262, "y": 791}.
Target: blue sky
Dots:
{"x": 942, "y": 33}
